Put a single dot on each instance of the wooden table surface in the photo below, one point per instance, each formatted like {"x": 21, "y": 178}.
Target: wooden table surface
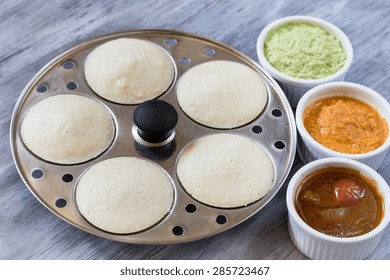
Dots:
{"x": 34, "y": 32}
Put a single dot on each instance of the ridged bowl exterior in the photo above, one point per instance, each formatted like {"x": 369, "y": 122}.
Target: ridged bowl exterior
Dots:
{"x": 294, "y": 92}
{"x": 322, "y": 250}
{"x": 308, "y": 153}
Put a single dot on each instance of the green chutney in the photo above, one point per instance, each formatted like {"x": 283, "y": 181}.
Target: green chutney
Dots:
{"x": 304, "y": 50}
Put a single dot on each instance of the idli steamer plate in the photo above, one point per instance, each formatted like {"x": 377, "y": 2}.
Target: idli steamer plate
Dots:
{"x": 54, "y": 184}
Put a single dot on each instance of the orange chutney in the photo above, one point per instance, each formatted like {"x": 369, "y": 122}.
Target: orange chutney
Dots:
{"x": 345, "y": 125}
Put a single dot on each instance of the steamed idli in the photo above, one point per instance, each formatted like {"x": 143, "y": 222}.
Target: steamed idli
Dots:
{"x": 222, "y": 94}
{"x": 124, "y": 194}
{"x": 225, "y": 170}
{"x": 129, "y": 71}
{"x": 67, "y": 129}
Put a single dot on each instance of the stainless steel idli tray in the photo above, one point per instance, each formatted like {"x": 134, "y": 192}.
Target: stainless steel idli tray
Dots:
{"x": 54, "y": 184}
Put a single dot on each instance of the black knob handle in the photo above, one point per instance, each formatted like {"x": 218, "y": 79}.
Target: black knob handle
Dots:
{"x": 155, "y": 120}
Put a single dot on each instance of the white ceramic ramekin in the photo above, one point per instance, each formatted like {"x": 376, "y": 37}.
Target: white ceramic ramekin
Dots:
{"x": 294, "y": 88}
{"x": 309, "y": 149}
{"x": 319, "y": 246}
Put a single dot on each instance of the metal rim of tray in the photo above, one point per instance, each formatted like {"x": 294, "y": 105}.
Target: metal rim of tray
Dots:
{"x": 54, "y": 184}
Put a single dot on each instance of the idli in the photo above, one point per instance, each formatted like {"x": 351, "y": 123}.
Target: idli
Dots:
{"x": 222, "y": 94}
{"x": 124, "y": 194}
{"x": 225, "y": 170}
{"x": 129, "y": 71}
{"x": 67, "y": 129}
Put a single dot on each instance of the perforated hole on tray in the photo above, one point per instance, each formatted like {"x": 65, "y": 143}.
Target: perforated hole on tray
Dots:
{"x": 280, "y": 145}
{"x": 37, "y": 174}
{"x": 178, "y": 230}
{"x": 257, "y": 129}
{"x": 209, "y": 52}
{"x": 191, "y": 208}
{"x": 221, "y": 219}
{"x": 61, "y": 203}
{"x": 69, "y": 64}
{"x": 67, "y": 178}
{"x": 42, "y": 88}
{"x": 184, "y": 60}
{"x": 171, "y": 42}
{"x": 71, "y": 86}
{"x": 276, "y": 113}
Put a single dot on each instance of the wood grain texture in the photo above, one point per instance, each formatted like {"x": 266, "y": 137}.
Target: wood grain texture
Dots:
{"x": 34, "y": 32}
